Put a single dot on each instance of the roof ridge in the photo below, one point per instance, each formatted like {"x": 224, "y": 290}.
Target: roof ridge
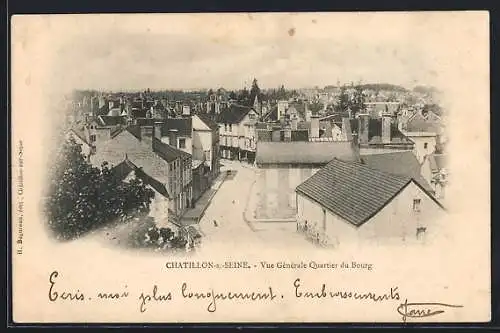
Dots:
{"x": 390, "y": 175}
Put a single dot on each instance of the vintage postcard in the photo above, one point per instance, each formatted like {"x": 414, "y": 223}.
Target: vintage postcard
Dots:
{"x": 251, "y": 167}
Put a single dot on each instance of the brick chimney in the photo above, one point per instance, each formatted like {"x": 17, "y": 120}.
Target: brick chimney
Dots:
{"x": 314, "y": 132}
{"x": 363, "y": 126}
{"x": 386, "y": 127}
{"x": 172, "y": 137}
{"x": 157, "y": 130}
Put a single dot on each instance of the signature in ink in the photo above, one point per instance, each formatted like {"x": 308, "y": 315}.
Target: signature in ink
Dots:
{"x": 422, "y": 310}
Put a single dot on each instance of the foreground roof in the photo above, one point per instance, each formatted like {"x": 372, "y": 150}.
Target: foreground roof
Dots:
{"x": 300, "y": 152}
{"x": 126, "y": 167}
{"x": 399, "y": 164}
{"x": 352, "y": 190}
{"x": 140, "y": 153}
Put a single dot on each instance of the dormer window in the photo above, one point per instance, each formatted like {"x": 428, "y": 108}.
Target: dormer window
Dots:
{"x": 416, "y": 205}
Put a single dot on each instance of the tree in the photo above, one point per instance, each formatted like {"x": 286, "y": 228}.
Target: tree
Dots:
{"x": 281, "y": 94}
{"x": 244, "y": 97}
{"x": 255, "y": 90}
{"x": 82, "y": 197}
{"x": 233, "y": 96}
{"x": 342, "y": 103}
{"x": 358, "y": 100}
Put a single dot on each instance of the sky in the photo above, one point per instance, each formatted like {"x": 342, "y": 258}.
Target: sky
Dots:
{"x": 201, "y": 51}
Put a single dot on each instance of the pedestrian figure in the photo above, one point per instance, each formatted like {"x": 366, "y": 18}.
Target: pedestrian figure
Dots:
{"x": 233, "y": 202}
{"x": 215, "y": 223}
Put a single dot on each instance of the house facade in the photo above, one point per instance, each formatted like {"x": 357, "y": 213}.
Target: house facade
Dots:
{"x": 237, "y": 132}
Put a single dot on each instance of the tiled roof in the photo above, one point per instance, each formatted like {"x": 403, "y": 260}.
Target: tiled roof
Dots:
{"x": 208, "y": 121}
{"x": 299, "y": 152}
{"x": 123, "y": 169}
{"x": 167, "y": 152}
{"x": 272, "y": 114}
{"x": 140, "y": 153}
{"x": 419, "y": 124}
{"x": 184, "y": 126}
{"x": 111, "y": 120}
{"x": 80, "y": 133}
{"x": 234, "y": 114}
{"x": 351, "y": 190}
{"x": 399, "y": 164}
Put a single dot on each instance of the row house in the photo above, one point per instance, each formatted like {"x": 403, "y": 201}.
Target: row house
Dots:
{"x": 237, "y": 132}
{"x": 166, "y": 165}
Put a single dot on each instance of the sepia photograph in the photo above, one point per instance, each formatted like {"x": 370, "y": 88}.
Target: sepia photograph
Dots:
{"x": 251, "y": 167}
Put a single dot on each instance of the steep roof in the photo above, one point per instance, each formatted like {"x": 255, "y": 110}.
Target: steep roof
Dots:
{"x": 167, "y": 152}
{"x": 207, "y": 120}
{"x": 399, "y": 164}
{"x": 126, "y": 167}
{"x": 140, "y": 153}
{"x": 105, "y": 120}
{"x": 184, "y": 126}
{"x": 418, "y": 123}
{"x": 234, "y": 114}
{"x": 352, "y": 190}
{"x": 299, "y": 152}
{"x": 79, "y": 131}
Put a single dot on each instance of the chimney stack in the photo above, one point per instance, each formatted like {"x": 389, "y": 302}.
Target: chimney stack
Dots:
{"x": 287, "y": 133}
{"x": 346, "y": 130}
{"x": 276, "y": 134}
{"x": 363, "y": 126}
{"x": 386, "y": 127}
{"x": 173, "y": 137}
{"x": 314, "y": 133}
{"x": 157, "y": 130}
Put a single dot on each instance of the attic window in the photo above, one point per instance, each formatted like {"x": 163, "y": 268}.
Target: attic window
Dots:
{"x": 416, "y": 205}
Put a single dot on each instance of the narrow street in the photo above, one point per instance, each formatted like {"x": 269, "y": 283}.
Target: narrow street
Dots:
{"x": 227, "y": 209}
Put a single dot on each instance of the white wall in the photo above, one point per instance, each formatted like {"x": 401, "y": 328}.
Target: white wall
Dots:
{"x": 419, "y": 148}
{"x": 159, "y": 210}
{"x": 395, "y": 222}
{"x": 202, "y": 141}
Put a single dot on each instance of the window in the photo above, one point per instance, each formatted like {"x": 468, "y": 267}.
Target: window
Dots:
{"x": 92, "y": 138}
{"x": 170, "y": 166}
{"x": 207, "y": 155}
{"x": 416, "y": 205}
{"x": 225, "y": 127}
{"x": 425, "y": 145}
{"x": 251, "y": 116}
{"x": 230, "y": 127}
{"x": 182, "y": 143}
